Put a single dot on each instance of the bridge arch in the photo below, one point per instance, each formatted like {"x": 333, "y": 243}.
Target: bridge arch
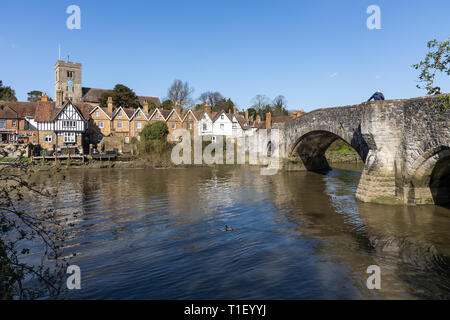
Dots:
{"x": 312, "y": 145}
{"x": 430, "y": 179}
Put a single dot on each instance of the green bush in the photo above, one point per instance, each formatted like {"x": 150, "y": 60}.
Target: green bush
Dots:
{"x": 154, "y": 131}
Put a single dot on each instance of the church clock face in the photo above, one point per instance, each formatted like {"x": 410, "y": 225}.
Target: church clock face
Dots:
{"x": 70, "y": 83}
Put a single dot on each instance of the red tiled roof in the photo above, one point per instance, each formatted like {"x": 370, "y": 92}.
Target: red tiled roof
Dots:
{"x": 22, "y": 109}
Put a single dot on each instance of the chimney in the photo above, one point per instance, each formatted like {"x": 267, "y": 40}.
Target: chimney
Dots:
{"x": 44, "y": 97}
{"x": 110, "y": 105}
{"x": 235, "y": 110}
{"x": 268, "y": 120}
{"x": 207, "y": 107}
{"x": 59, "y": 97}
{"x": 246, "y": 115}
{"x": 145, "y": 107}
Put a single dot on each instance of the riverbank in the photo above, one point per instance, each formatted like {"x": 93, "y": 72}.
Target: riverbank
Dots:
{"x": 155, "y": 162}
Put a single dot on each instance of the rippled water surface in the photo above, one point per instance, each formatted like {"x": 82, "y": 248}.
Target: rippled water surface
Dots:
{"x": 160, "y": 234}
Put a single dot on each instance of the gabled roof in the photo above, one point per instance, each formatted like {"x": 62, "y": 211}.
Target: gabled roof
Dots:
{"x": 170, "y": 115}
{"x": 217, "y": 114}
{"x": 7, "y": 112}
{"x": 165, "y": 113}
{"x": 105, "y": 111}
{"x": 185, "y": 114}
{"x": 146, "y": 116}
{"x": 158, "y": 112}
{"x": 127, "y": 111}
{"x": 84, "y": 109}
{"x": 241, "y": 120}
{"x": 22, "y": 109}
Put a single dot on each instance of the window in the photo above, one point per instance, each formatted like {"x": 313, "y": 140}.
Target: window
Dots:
{"x": 139, "y": 125}
{"x": 30, "y": 134}
{"x": 174, "y": 125}
{"x": 214, "y": 139}
{"x": 127, "y": 139}
{"x": 101, "y": 125}
{"x": 97, "y": 113}
{"x": 119, "y": 125}
{"x": 119, "y": 114}
{"x": 48, "y": 138}
{"x": 205, "y": 127}
{"x": 157, "y": 116}
{"x": 222, "y": 126}
{"x": 69, "y": 137}
{"x": 139, "y": 115}
{"x": 2, "y": 123}
{"x": 67, "y": 88}
{"x": 190, "y": 117}
{"x": 69, "y": 124}
{"x": 173, "y": 116}
{"x": 190, "y": 126}
{"x": 70, "y": 74}
{"x": 14, "y": 123}
{"x": 222, "y": 117}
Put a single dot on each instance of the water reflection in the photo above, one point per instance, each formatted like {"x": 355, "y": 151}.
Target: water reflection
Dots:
{"x": 160, "y": 234}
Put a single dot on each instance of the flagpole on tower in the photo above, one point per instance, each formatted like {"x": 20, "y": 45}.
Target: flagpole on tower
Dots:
{"x": 59, "y": 51}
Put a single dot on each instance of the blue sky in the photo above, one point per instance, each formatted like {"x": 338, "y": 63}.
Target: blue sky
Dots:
{"x": 315, "y": 53}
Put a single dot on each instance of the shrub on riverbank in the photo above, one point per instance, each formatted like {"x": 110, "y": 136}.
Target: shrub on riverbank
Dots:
{"x": 153, "y": 145}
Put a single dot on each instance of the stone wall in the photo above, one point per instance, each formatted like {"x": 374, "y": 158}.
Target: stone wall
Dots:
{"x": 400, "y": 141}
{"x": 13, "y": 150}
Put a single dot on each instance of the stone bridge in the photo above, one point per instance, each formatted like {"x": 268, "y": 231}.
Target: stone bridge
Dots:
{"x": 405, "y": 145}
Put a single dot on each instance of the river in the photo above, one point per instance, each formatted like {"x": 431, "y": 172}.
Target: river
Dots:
{"x": 160, "y": 234}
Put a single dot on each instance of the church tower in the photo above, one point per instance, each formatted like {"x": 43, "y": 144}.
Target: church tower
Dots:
{"x": 67, "y": 82}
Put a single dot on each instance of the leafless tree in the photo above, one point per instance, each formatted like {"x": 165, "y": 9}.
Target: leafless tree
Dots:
{"x": 180, "y": 91}
{"x": 260, "y": 101}
{"x": 21, "y": 232}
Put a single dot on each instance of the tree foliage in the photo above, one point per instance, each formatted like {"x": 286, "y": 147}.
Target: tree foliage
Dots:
{"x": 6, "y": 93}
{"x": 36, "y": 95}
{"x": 122, "y": 96}
{"x": 167, "y": 104}
{"x": 155, "y": 131}
{"x": 436, "y": 60}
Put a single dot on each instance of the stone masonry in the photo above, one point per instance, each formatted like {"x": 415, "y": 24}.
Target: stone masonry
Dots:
{"x": 405, "y": 145}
